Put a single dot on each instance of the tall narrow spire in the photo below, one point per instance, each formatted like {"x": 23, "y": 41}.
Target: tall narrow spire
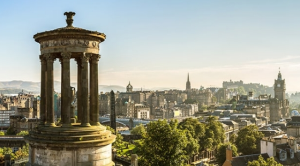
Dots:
{"x": 188, "y": 84}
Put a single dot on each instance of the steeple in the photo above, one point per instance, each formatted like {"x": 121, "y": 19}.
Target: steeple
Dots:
{"x": 188, "y": 83}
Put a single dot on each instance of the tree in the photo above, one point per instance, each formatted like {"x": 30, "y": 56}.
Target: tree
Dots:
{"x": 194, "y": 129}
{"x": 214, "y": 133}
{"x": 2, "y": 133}
{"x": 221, "y": 152}
{"x": 23, "y": 133}
{"x": 261, "y": 162}
{"x": 241, "y": 90}
{"x": 119, "y": 138}
{"x": 10, "y": 131}
{"x": 203, "y": 107}
{"x": 232, "y": 138}
{"x": 163, "y": 144}
{"x": 248, "y": 140}
{"x": 138, "y": 130}
{"x": 110, "y": 129}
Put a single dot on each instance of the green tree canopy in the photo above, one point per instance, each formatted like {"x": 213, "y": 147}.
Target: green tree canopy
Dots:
{"x": 10, "y": 131}
{"x": 119, "y": 137}
{"x": 261, "y": 162}
{"x": 221, "y": 152}
{"x": 248, "y": 140}
{"x": 23, "y": 133}
{"x": 110, "y": 129}
{"x": 164, "y": 144}
{"x": 2, "y": 133}
{"x": 138, "y": 130}
{"x": 194, "y": 129}
{"x": 232, "y": 138}
{"x": 214, "y": 133}
{"x": 241, "y": 90}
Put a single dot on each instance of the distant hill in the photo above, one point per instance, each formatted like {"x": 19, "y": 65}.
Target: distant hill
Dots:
{"x": 14, "y": 87}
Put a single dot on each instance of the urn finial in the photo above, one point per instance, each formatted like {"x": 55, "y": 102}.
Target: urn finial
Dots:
{"x": 69, "y": 19}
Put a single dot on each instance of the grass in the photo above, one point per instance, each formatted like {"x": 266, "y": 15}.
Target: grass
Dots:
{"x": 123, "y": 151}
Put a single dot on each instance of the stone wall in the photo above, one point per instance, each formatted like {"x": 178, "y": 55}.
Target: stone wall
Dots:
{"x": 95, "y": 156}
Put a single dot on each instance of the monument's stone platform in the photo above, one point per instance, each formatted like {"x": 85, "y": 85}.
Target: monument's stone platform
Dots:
{"x": 72, "y": 146}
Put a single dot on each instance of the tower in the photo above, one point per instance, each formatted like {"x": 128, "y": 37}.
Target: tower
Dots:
{"x": 279, "y": 106}
{"x": 188, "y": 83}
{"x": 86, "y": 142}
{"x": 279, "y": 87}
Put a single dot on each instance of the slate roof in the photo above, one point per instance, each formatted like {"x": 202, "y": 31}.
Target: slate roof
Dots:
{"x": 288, "y": 161}
{"x": 243, "y": 160}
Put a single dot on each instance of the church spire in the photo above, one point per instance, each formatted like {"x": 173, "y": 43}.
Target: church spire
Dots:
{"x": 188, "y": 83}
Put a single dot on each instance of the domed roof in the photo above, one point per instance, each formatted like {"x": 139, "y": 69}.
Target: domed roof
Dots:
{"x": 69, "y": 31}
{"x": 129, "y": 85}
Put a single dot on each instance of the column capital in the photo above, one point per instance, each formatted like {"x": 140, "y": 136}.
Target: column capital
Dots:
{"x": 42, "y": 58}
{"x": 65, "y": 56}
{"x": 85, "y": 57}
{"x": 94, "y": 58}
{"x": 49, "y": 57}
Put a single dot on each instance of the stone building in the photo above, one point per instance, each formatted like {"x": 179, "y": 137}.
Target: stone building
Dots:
{"x": 85, "y": 142}
{"x": 203, "y": 97}
{"x": 284, "y": 149}
{"x": 161, "y": 113}
{"x": 293, "y": 127}
{"x": 141, "y": 111}
{"x": 104, "y": 103}
{"x": 21, "y": 123}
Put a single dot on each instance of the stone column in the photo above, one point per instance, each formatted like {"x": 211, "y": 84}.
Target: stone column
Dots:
{"x": 94, "y": 102}
{"x": 43, "y": 90}
{"x": 65, "y": 89}
{"x": 49, "y": 91}
{"x": 85, "y": 121}
{"x": 78, "y": 94}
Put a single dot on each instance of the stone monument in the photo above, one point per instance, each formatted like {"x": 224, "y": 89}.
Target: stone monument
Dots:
{"x": 113, "y": 123}
{"x": 74, "y": 144}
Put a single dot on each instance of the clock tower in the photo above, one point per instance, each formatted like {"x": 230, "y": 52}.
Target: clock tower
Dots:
{"x": 279, "y": 87}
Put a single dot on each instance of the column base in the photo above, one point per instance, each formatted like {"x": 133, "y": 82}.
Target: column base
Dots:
{"x": 95, "y": 123}
{"x": 85, "y": 124}
{"x": 66, "y": 125}
{"x": 42, "y": 124}
{"x": 50, "y": 124}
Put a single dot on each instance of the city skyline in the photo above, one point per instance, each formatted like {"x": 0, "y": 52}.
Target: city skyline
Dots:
{"x": 156, "y": 44}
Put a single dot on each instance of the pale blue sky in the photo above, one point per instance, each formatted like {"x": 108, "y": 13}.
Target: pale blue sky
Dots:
{"x": 156, "y": 43}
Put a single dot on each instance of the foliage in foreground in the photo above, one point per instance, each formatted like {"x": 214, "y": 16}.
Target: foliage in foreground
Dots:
{"x": 23, "y": 133}
{"x": 138, "y": 130}
{"x": 248, "y": 140}
{"x": 221, "y": 152}
{"x": 261, "y": 162}
{"x": 163, "y": 144}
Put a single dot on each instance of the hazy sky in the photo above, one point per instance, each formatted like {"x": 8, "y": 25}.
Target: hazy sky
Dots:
{"x": 156, "y": 43}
